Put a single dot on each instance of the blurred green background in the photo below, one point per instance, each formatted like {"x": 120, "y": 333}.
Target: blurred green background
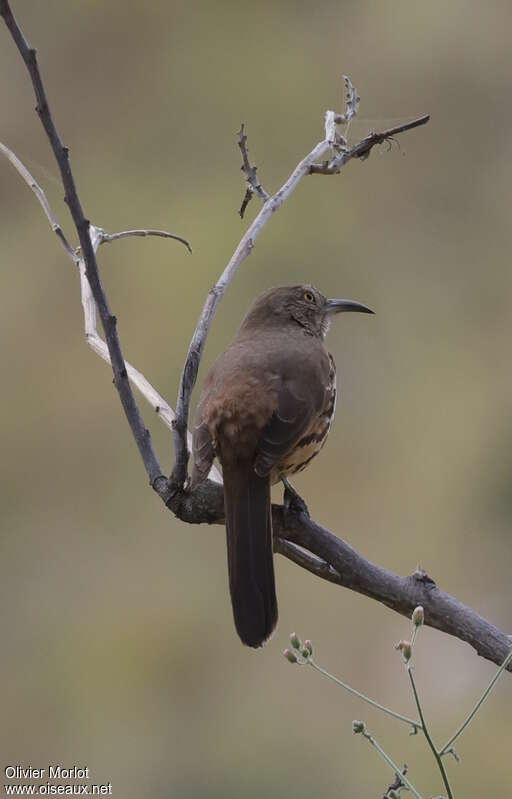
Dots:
{"x": 118, "y": 647}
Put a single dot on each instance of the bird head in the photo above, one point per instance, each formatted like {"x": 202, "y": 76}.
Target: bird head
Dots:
{"x": 302, "y": 305}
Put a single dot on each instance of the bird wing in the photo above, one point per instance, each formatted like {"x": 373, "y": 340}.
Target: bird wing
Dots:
{"x": 202, "y": 448}
{"x": 289, "y": 422}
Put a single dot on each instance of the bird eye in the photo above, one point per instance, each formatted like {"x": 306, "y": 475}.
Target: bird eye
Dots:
{"x": 308, "y": 296}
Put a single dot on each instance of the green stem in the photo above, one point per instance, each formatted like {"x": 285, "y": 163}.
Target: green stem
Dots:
{"x": 478, "y": 705}
{"x": 388, "y": 760}
{"x": 415, "y": 724}
{"x": 426, "y": 733}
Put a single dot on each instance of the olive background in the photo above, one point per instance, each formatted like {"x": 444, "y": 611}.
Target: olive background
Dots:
{"x": 118, "y": 647}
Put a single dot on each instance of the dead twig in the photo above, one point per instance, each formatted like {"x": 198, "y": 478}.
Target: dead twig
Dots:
{"x": 363, "y": 148}
{"x": 397, "y": 782}
{"x": 253, "y": 184}
{"x": 107, "y": 237}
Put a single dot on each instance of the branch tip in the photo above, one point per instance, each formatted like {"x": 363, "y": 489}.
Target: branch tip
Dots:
{"x": 145, "y": 232}
{"x": 253, "y": 184}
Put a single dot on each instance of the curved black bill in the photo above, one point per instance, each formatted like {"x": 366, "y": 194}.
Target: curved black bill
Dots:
{"x": 338, "y": 306}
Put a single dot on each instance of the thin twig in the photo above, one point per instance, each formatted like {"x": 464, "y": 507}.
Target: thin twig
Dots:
{"x": 253, "y": 184}
{"x": 41, "y": 196}
{"x": 427, "y": 735}
{"x": 363, "y": 148}
{"x": 449, "y": 744}
{"x": 333, "y": 120}
{"x": 107, "y": 237}
{"x": 411, "y": 722}
{"x": 352, "y": 101}
{"x": 397, "y": 782}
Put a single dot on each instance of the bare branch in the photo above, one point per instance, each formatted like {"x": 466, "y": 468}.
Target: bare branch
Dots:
{"x": 332, "y": 119}
{"x": 253, "y": 184}
{"x": 352, "y": 101}
{"x": 363, "y": 148}
{"x": 107, "y": 237}
{"x": 41, "y": 196}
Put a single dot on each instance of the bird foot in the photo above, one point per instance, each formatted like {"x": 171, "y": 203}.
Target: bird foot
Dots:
{"x": 293, "y": 502}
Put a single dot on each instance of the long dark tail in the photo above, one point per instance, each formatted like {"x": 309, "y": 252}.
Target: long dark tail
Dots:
{"x": 250, "y": 558}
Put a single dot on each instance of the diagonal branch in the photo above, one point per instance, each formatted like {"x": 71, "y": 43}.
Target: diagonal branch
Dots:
{"x": 426, "y": 732}
{"x": 253, "y": 184}
{"x": 402, "y": 594}
{"x": 448, "y": 747}
{"x": 41, "y": 196}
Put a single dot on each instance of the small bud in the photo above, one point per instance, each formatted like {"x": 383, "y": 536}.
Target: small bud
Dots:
{"x": 418, "y": 617}
{"x": 295, "y": 641}
{"x": 309, "y": 646}
{"x": 405, "y": 648}
{"x": 358, "y": 726}
{"x": 392, "y": 794}
{"x": 305, "y": 653}
{"x": 290, "y": 656}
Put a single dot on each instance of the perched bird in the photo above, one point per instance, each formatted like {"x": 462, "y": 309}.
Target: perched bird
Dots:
{"x": 265, "y": 411}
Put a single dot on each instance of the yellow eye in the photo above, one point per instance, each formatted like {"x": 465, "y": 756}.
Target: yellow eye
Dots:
{"x": 308, "y": 296}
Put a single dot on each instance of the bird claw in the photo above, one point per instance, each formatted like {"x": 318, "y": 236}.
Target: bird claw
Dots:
{"x": 293, "y": 502}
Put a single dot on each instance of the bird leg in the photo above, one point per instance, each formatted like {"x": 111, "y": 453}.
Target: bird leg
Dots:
{"x": 293, "y": 501}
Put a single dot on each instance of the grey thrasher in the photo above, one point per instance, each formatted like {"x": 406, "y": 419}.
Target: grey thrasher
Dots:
{"x": 265, "y": 410}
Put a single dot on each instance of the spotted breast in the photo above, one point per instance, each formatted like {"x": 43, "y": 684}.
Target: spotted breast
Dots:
{"x": 310, "y": 444}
